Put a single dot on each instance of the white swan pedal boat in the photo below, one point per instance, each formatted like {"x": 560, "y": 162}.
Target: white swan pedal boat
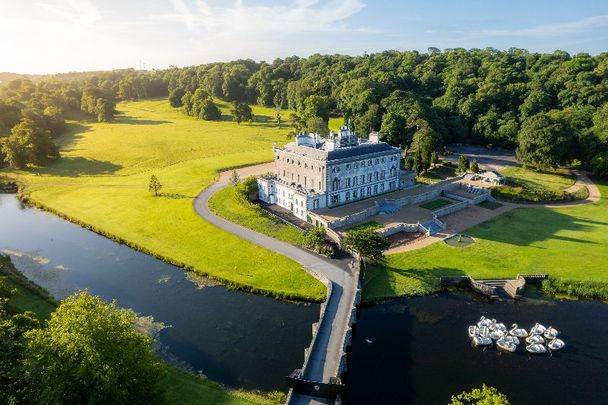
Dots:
{"x": 551, "y": 333}
{"x": 517, "y": 331}
{"x": 535, "y": 340}
{"x": 536, "y": 348}
{"x": 508, "y": 345}
{"x": 556, "y": 344}
{"x": 538, "y": 329}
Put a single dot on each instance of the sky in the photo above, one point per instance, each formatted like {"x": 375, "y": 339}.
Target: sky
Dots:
{"x": 51, "y": 36}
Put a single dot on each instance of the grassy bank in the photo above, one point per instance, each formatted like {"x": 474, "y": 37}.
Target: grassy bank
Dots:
{"x": 525, "y": 185}
{"x": 566, "y": 243}
{"x": 181, "y": 387}
{"x": 229, "y": 204}
{"x": 594, "y": 290}
{"x": 101, "y": 182}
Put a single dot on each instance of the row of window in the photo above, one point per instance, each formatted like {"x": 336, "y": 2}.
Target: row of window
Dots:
{"x": 370, "y": 162}
{"x": 296, "y": 179}
{"x": 298, "y": 163}
{"x": 356, "y": 180}
{"x": 363, "y": 192}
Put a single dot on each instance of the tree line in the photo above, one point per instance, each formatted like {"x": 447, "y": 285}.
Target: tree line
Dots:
{"x": 552, "y": 107}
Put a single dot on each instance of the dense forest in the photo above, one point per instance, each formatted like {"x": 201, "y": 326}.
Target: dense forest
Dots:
{"x": 552, "y": 107}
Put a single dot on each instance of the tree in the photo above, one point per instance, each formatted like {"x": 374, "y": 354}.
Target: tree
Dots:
{"x": 434, "y": 159}
{"x": 209, "y": 111}
{"x": 175, "y": 97}
{"x": 317, "y": 125}
{"x": 544, "y": 142}
{"x": 90, "y": 353}
{"x": 155, "y": 185}
{"x": 235, "y": 178}
{"x": 29, "y": 144}
{"x": 599, "y": 164}
{"x": 369, "y": 244}
{"x": 241, "y": 112}
{"x": 316, "y": 106}
{"x": 480, "y": 396}
{"x": 277, "y": 116}
{"x": 474, "y": 166}
{"x": 296, "y": 122}
{"x": 463, "y": 163}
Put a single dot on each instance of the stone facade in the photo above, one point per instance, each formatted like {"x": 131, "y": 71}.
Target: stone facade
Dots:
{"x": 313, "y": 172}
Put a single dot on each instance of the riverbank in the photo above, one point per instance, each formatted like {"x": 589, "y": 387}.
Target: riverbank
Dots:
{"x": 566, "y": 242}
{"x": 101, "y": 183}
{"x": 181, "y": 387}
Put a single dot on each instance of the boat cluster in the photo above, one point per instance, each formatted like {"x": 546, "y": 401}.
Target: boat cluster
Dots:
{"x": 537, "y": 341}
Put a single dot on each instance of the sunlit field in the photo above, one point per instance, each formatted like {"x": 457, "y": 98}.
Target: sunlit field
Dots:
{"x": 102, "y": 179}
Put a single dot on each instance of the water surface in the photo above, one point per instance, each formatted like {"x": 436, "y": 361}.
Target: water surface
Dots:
{"x": 239, "y": 339}
{"x": 421, "y": 354}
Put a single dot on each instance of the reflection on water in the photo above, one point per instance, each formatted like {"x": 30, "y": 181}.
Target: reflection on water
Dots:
{"x": 239, "y": 339}
{"x": 421, "y": 354}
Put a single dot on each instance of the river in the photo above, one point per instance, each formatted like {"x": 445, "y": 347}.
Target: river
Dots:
{"x": 241, "y": 340}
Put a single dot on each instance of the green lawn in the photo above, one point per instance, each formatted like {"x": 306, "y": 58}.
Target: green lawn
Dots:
{"x": 101, "y": 182}
{"x": 190, "y": 389}
{"x": 228, "y": 204}
{"x": 568, "y": 243}
{"x": 436, "y": 204}
{"x": 373, "y": 225}
{"x": 532, "y": 186}
{"x": 436, "y": 174}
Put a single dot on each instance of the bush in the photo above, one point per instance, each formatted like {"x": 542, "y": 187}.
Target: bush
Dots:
{"x": 481, "y": 396}
{"x": 594, "y": 290}
{"x": 314, "y": 239}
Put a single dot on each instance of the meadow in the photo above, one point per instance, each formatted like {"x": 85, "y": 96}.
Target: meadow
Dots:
{"x": 101, "y": 182}
{"x": 566, "y": 243}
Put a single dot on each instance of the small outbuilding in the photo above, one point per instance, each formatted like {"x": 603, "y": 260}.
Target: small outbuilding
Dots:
{"x": 490, "y": 176}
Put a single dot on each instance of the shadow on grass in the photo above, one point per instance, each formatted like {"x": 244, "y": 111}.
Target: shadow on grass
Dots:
{"x": 380, "y": 283}
{"x": 78, "y": 166}
{"x": 525, "y": 226}
{"x": 135, "y": 121}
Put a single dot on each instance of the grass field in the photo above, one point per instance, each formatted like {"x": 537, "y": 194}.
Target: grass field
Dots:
{"x": 435, "y": 204}
{"x": 102, "y": 179}
{"x": 228, "y": 204}
{"x": 568, "y": 243}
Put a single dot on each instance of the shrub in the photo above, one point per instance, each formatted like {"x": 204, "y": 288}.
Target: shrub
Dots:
{"x": 596, "y": 290}
{"x": 481, "y": 396}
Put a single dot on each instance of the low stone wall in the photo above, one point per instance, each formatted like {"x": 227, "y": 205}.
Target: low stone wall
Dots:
{"x": 402, "y": 227}
{"x": 354, "y": 219}
{"x": 352, "y": 319}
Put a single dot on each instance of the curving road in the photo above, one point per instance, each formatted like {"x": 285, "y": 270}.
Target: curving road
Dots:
{"x": 327, "y": 351}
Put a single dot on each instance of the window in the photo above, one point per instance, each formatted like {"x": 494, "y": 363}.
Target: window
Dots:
{"x": 354, "y": 180}
{"x": 383, "y": 160}
{"x": 369, "y": 190}
{"x": 348, "y": 196}
{"x": 348, "y": 182}
{"x": 376, "y": 176}
{"x": 362, "y": 177}
{"x": 319, "y": 185}
{"x": 377, "y": 161}
{"x": 369, "y": 162}
{"x": 362, "y": 193}
{"x": 336, "y": 184}
{"x": 335, "y": 199}
{"x": 381, "y": 187}
{"x": 383, "y": 174}
{"x": 348, "y": 167}
{"x": 362, "y": 164}
{"x": 375, "y": 189}
{"x": 369, "y": 177}
{"x": 315, "y": 204}
{"x": 393, "y": 172}
{"x": 354, "y": 194}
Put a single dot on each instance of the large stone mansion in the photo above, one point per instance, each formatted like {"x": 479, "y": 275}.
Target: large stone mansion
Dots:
{"x": 314, "y": 172}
